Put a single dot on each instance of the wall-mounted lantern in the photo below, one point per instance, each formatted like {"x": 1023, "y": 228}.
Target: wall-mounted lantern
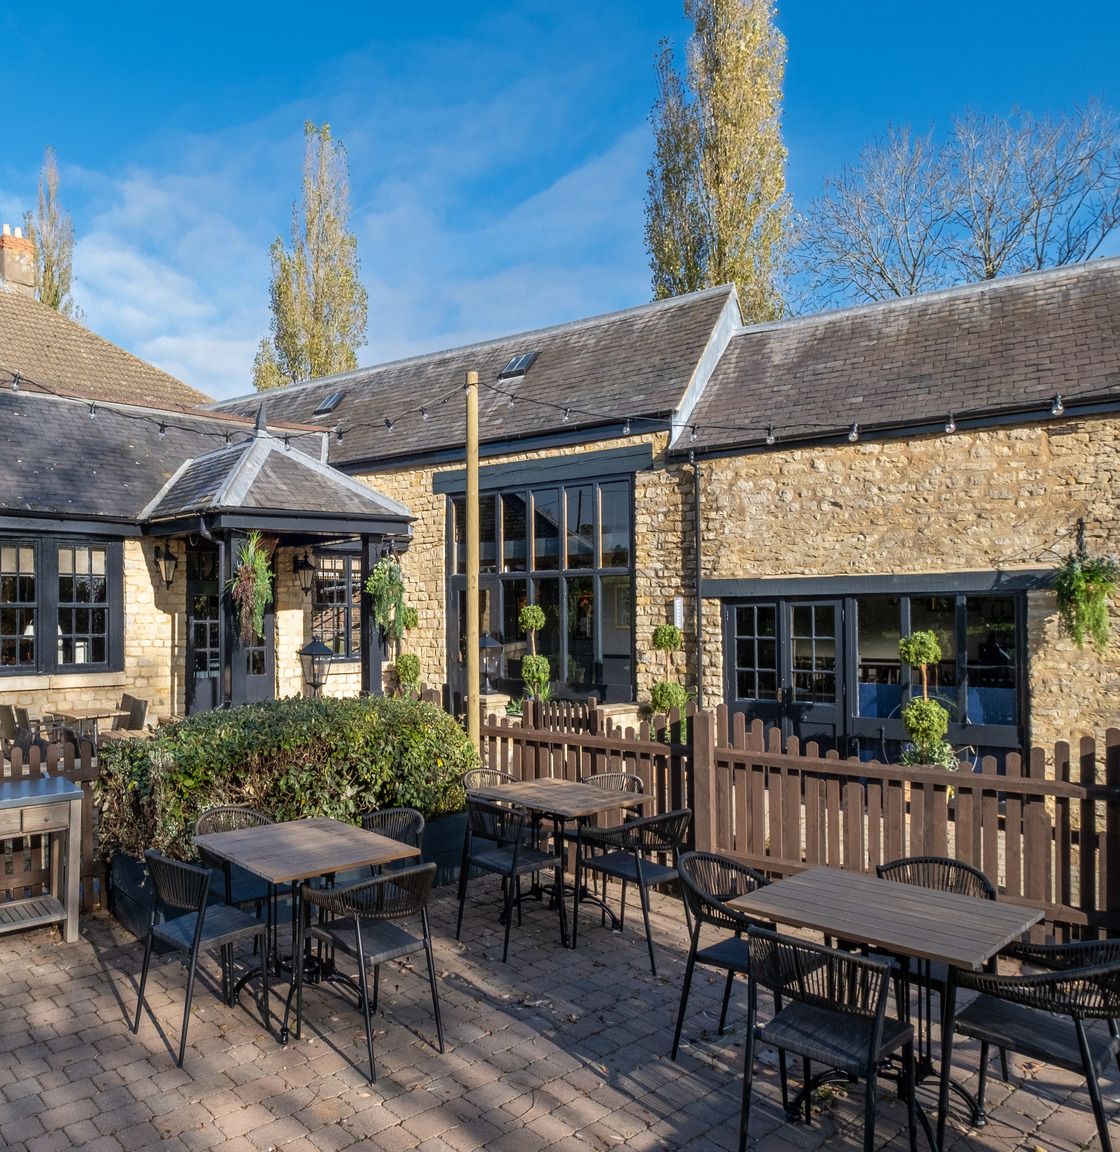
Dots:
{"x": 315, "y": 657}
{"x": 305, "y": 573}
{"x": 168, "y": 562}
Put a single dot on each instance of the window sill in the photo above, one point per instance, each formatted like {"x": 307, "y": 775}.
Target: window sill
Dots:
{"x": 59, "y": 680}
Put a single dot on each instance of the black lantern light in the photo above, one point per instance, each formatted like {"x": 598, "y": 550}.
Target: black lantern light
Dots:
{"x": 489, "y": 649}
{"x": 305, "y": 573}
{"x": 168, "y": 562}
{"x": 316, "y": 660}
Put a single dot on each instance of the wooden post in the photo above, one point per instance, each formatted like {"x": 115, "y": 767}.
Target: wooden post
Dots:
{"x": 703, "y": 731}
{"x": 474, "y": 703}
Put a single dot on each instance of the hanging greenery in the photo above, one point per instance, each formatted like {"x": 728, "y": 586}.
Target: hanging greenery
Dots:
{"x": 1085, "y": 584}
{"x": 386, "y": 592}
{"x": 251, "y": 586}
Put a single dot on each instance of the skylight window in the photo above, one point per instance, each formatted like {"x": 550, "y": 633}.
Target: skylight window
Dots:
{"x": 518, "y": 366}
{"x": 328, "y": 404}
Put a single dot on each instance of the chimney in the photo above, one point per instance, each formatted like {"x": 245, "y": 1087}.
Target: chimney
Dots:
{"x": 17, "y": 260}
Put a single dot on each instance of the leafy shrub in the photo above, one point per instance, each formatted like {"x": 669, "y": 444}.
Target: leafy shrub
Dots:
{"x": 408, "y": 674}
{"x": 289, "y": 758}
{"x": 536, "y": 672}
{"x": 926, "y": 722}
{"x": 665, "y": 696}
{"x": 1084, "y": 585}
{"x": 667, "y": 638}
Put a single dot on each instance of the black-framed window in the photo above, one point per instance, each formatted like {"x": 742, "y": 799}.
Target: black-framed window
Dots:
{"x": 568, "y": 548}
{"x": 336, "y": 604}
{"x": 61, "y": 606}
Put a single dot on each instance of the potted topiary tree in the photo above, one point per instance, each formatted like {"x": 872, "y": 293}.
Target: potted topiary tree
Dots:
{"x": 536, "y": 671}
{"x": 667, "y": 694}
{"x": 926, "y": 720}
{"x": 407, "y": 666}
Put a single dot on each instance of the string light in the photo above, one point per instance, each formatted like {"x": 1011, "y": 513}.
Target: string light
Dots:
{"x": 338, "y": 434}
{"x": 229, "y": 439}
{"x": 92, "y": 411}
{"x": 15, "y": 382}
{"x": 853, "y": 432}
{"x": 567, "y": 415}
{"x": 626, "y": 426}
{"x": 951, "y": 424}
{"x": 1057, "y": 408}
{"x": 388, "y": 423}
{"x": 770, "y": 437}
{"x": 425, "y": 415}
{"x": 692, "y": 434}
{"x": 287, "y": 443}
{"x": 509, "y": 402}
{"x": 162, "y": 430}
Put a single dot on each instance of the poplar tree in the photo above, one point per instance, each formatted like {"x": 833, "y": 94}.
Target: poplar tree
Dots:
{"x": 318, "y": 302}
{"x": 716, "y": 207}
{"x": 52, "y": 232}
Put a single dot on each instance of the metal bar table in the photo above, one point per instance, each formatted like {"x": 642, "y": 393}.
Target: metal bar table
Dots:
{"x": 294, "y": 852}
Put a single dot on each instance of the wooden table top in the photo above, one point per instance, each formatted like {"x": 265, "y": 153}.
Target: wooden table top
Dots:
{"x": 300, "y": 849}
{"x": 963, "y": 931}
{"x": 564, "y": 799}
{"x": 126, "y": 734}
{"x": 81, "y": 715}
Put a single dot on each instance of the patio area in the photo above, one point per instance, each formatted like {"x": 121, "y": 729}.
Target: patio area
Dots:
{"x": 555, "y": 1050}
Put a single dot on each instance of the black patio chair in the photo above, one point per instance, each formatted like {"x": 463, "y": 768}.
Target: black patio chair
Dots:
{"x": 504, "y": 852}
{"x": 183, "y": 888}
{"x": 1042, "y": 1016}
{"x": 364, "y": 921}
{"x": 486, "y": 778}
{"x": 708, "y": 881}
{"x": 830, "y": 1008}
{"x": 403, "y": 824}
{"x": 628, "y": 853}
{"x": 941, "y": 874}
{"x": 239, "y": 888}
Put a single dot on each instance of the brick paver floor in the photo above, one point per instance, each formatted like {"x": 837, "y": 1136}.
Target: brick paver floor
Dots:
{"x": 558, "y": 1050}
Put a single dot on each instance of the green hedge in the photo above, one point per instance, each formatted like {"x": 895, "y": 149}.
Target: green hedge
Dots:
{"x": 289, "y": 758}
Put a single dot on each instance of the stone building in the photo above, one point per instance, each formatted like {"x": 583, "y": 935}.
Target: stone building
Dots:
{"x": 849, "y": 477}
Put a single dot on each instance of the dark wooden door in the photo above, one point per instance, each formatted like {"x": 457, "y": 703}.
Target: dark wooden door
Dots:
{"x": 204, "y": 621}
{"x": 813, "y": 683}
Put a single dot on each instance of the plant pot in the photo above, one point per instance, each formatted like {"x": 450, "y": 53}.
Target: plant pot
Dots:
{"x": 130, "y": 893}
{"x": 442, "y": 844}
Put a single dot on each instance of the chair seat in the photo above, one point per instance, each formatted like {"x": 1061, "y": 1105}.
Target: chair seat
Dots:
{"x": 835, "y": 1039}
{"x": 223, "y": 924}
{"x": 623, "y": 866}
{"x": 500, "y": 860}
{"x": 732, "y": 953}
{"x": 1032, "y": 1032}
{"x": 382, "y": 940}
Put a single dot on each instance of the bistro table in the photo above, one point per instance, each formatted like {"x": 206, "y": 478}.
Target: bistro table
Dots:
{"x": 85, "y": 721}
{"x": 562, "y": 800}
{"x": 296, "y": 851}
{"x": 903, "y": 919}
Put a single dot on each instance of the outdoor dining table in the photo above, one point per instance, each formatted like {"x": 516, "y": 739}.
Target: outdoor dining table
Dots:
{"x": 908, "y": 921}
{"x": 86, "y": 721}
{"x": 294, "y": 852}
{"x": 561, "y": 800}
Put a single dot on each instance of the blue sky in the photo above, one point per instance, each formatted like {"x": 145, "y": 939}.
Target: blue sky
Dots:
{"x": 498, "y": 151}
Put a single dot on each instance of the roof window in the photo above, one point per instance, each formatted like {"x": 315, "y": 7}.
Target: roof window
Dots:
{"x": 328, "y": 404}
{"x": 518, "y": 366}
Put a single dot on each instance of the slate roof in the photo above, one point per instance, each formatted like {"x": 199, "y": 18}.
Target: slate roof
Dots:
{"x": 48, "y": 348}
{"x": 1001, "y": 346}
{"x": 635, "y": 363}
{"x": 117, "y": 466}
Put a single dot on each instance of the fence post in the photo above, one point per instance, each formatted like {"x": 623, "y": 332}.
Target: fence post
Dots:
{"x": 703, "y": 781}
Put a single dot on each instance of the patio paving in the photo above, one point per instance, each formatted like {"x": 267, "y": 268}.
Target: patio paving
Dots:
{"x": 558, "y": 1050}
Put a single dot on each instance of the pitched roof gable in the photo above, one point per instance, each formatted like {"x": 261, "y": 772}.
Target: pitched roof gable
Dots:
{"x": 982, "y": 349}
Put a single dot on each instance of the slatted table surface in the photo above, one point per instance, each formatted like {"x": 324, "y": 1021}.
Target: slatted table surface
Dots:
{"x": 901, "y": 918}
{"x": 561, "y": 799}
{"x": 300, "y": 849}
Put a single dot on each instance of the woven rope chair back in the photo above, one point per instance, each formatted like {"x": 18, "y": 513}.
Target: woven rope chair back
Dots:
{"x": 616, "y": 782}
{"x": 229, "y": 818}
{"x": 8, "y": 723}
{"x": 942, "y": 873}
{"x": 390, "y": 896}
{"x": 403, "y": 824}
{"x": 1089, "y": 993}
{"x": 664, "y": 833}
{"x": 502, "y": 823}
{"x": 486, "y": 778}
{"x": 177, "y": 884}
{"x": 710, "y": 880}
{"x": 823, "y": 977}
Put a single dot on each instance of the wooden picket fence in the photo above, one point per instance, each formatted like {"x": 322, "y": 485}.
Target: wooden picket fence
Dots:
{"x": 25, "y": 860}
{"x": 1045, "y": 829}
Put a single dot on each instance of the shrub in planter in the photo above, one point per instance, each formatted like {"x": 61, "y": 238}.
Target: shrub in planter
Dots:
{"x": 665, "y": 695}
{"x": 290, "y": 758}
{"x": 408, "y": 674}
{"x": 926, "y": 720}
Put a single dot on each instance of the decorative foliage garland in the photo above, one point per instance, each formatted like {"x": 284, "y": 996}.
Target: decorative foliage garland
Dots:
{"x": 251, "y": 586}
{"x": 1085, "y": 584}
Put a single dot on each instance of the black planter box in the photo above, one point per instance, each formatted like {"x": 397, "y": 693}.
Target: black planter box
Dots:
{"x": 442, "y": 844}
{"x": 130, "y": 893}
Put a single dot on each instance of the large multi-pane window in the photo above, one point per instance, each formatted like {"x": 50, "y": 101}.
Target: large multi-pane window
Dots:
{"x": 59, "y": 606}
{"x": 336, "y": 603}
{"x": 567, "y": 548}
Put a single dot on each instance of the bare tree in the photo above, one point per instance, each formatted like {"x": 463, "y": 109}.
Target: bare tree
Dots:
{"x": 52, "y": 232}
{"x": 1002, "y": 196}
{"x": 717, "y": 209}
{"x": 878, "y": 231}
{"x": 1031, "y": 194}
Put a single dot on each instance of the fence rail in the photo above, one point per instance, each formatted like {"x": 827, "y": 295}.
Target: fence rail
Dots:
{"x": 1049, "y": 837}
